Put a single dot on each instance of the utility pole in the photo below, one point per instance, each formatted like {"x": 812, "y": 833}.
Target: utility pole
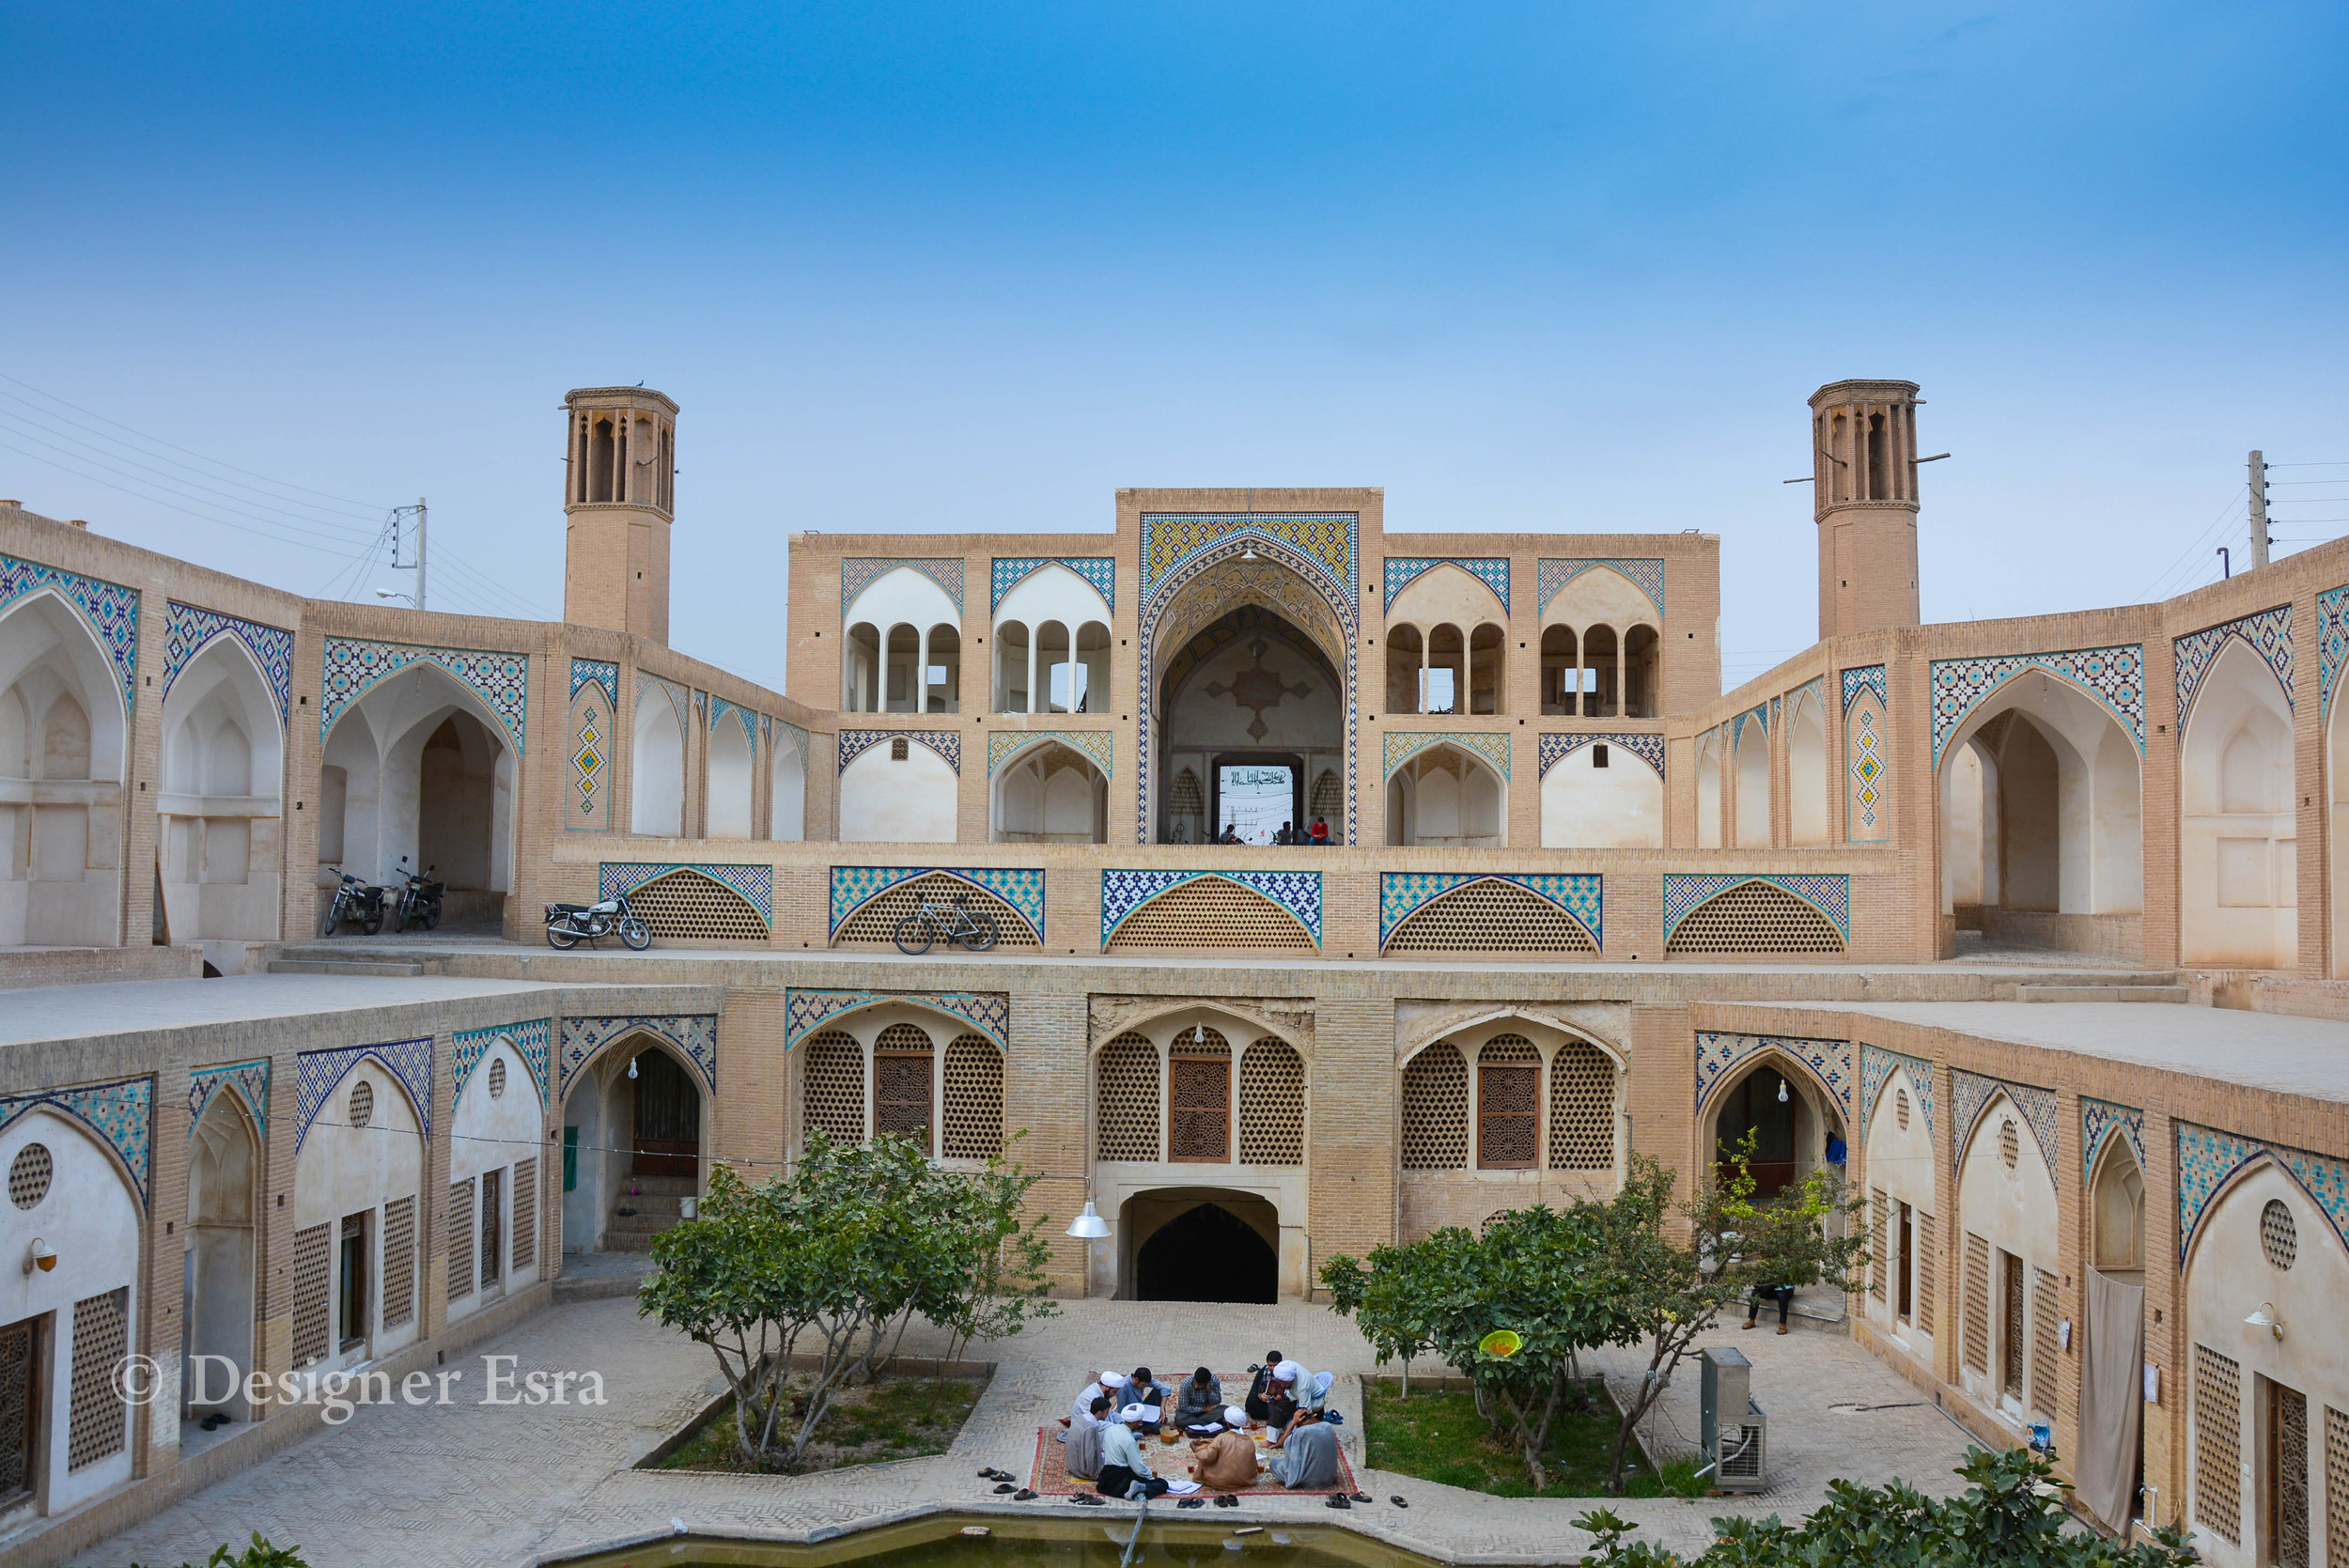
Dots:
{"x": 418, "y": 512}
{"x": 421, "y": 540}
{"x": 2259, "y": 511}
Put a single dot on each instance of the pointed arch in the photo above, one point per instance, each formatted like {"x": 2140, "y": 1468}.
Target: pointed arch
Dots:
{"x": 427, "y": 772}
{"x": 1450, "y": 796}
{"x": 220, "y": 803}
{"x": 656, "y": 774}
{"x": 689, "y": 905}
{"x": 1759, "y": 914}
{"x": 64, "y": 726}
{"x": 1497, "y": 914}
{"x": 2238, "y": 868}
{"x": 1210, "y": 910}
{"x": 1807, "y": 768}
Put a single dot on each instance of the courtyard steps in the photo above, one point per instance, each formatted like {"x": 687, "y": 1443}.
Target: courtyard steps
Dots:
{"x": 355, "y": 963}
{"x": 2157, "y": 988}
{"x": 656, "y": 1205}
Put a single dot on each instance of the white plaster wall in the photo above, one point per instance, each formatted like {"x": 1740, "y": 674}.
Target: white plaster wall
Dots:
{"x": 786, "y": 814}
{"x": 2227, "y": 1277}
{"x": 1448, "y": 595}
{"x": 1710, "y": 792}
{"x": 1900, "y": 1163}
{"x": 911, "y": 802}
{"x": 1049, "y": 593}
{"x": 223, "y": 762}
{"x": 383, "y": 760}
{"x": 492, "y": 1133}
{"x": 2015, "y": 1211}
{"x": 1806, "y": 772}
{"x": 1965, "y": 862}
{"x": 1600, "y": 595}
{"x": 60, "y": 835}
{"x": 905, "y": 597}
{"x": 1753, "y": 788}
{"x": 2237, "y": 844}
{"x": 1620, "y": 806}
{"x": 344, "y": 1170}
{"x": 223, "y": 1157}
{"x": 656, "y": 777}
{"x": 729, "y": 778}
{"x": 92, "y": 1218}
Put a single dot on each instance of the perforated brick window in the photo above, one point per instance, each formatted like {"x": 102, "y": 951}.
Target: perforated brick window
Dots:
{"x": 1976, "y": 1286}
{"x": 2336, "y": 1486}
{"x": 1581, "y": 1109}
{"x": 831, "y": 1086}
{"x": 1508, "y": 1101}
{"x": 1754, "y": 917}
{"x": 1489, "y": 916}
{"x": 362, "y": 1108}
{"x": 1900, "y": 1109}
{"x": 878, "y": 921}
{"x": 1271, "y": 1105}
{"x": 2217, "y": 1445}
{"x": 1199, "y": 1097}
{"x": 461, "y": 1239}
{"x": 897, "y": 751}
{"x": 29, "y": 1175}
{"x": 525, "y": 1237}
{"x": 902, "y": 1081}
{"x": 400, "y": 1262}
{"x": 98, "y": 1425}
{"x": 1878, "y": 1207}
{"x": 2280, "y": 1238}
{"x": 497, "y": 1078}
{"x": 1126, "y": 1100}
{"x": 972, "y": 1127}
{"x": 2010, "y": 1144}
{"x": 1436, "y": 1110}
{"x": 2046, "y": 1351}
{"x": 685, "y": 906}
{"x": 1208, "y": 912}
{"x": 1922, "y": 1295}
{"x": 313, "y": 1257}
{"x": 1184, "y": 797}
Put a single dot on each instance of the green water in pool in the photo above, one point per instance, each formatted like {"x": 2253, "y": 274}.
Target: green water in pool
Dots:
{"x": 1094, "y": 1542}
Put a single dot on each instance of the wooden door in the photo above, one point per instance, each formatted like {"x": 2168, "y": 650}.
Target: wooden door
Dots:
{"x": 1507, "y": 1102}
{"x": 20, "y": 1410}
{"x": 1199, "y": 1103}
{"x": 2287, "y": 1477}
{"x": 668, "y": 1118}
{"x": 1904, "y": 1264}
{"x": 2011, "y": 1327}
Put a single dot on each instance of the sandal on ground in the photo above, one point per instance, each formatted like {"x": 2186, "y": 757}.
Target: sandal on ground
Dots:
{"x": 1227, "y": 1500}
{"x": 1337, "y": 1500}
{"x": 1782, "y": 1329}
{"x": 1397, "y": 1500}
{"x": 1024, "y": 1495}
{"x": 1749, "y": 1326}
{"x": 1362, "y": 1497}
{"x": 1086, "y": 1500}
{"x": 1005, "y": 1487}
{"x": 1191, "y": 1503}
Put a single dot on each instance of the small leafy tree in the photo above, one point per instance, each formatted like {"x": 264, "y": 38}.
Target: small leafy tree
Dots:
{"x": 1672, "y": 1283}
{"x": 259, "y": 1555}
{"x": 831, "y": 1264}
{"x": 2011, "y": 1516}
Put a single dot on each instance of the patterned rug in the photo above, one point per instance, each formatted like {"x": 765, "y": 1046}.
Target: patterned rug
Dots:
{"x": 1051, "y": 1477}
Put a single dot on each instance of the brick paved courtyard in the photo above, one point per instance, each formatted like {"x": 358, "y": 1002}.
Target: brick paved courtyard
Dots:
{"x": 470, "y": 1485}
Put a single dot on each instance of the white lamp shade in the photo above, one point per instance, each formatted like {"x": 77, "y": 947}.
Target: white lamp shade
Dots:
{"x": 1089, "y": 1226}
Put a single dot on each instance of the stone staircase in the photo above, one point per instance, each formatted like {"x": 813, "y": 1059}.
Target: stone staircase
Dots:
{"x": 653, "y": 1206}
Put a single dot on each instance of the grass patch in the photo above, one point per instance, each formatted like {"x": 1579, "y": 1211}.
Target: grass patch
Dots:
{"x": 895, "y": 1418}
{"x": 1439, "y": 1436}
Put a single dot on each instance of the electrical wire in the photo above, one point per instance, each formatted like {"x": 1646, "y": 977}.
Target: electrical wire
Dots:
{"x": 247, "y": 527}
{"x": 2184, "y": 565}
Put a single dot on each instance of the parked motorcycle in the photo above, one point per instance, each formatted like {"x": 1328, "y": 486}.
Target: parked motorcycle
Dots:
{"x": 419, "y": 899}
{"x": 360, "y": 903}
{"x": 568, "y": 924}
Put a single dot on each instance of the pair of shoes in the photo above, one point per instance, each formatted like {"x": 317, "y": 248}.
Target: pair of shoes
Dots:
{"x": 1086, "y": 1500}
{"x": 1782, "y": 1329}
{"x": 1227, "y": 1500}
{"x": 997, "y": 1475}
{"x": 1362, "y": 1497}
{"x": 1191, "y": 1503}
{"x": 1024, "y": 1495}
{"x": 1747, "y": 1323}
{"x": 1337, "y": 1500}
{"x": 1005, "y": 1487}
{"x": 1397, "y": 1500}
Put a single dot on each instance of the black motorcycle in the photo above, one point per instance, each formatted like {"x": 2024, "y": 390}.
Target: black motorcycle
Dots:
{"x": 419, "y": 899}
{"x": 358, "y": 902}
{"x": 568, "y": 924}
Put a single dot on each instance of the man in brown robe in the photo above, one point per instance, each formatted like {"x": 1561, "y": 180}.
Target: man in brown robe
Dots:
{"x": 1227, "y": 1460}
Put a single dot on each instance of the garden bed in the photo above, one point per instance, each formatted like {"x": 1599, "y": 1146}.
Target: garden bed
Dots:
{"x": 1436, "y": 1435}
{"x": 898, "y": 1417}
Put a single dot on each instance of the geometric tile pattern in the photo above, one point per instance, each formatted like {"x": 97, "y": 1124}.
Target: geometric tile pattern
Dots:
{"x": 352, "y": 667}
{"x": 1761, "y": 716}
{"x": 2115, "y": 676}
{"x": 2208, "y": 1159}
{"x": 719, "y": 708}
{"x": 250, "y": 1079}
{"x": 857, "y": 573}
{"x": 1555, "y": 749}
{"x": 855, "y": 886}
{"x": 120, "y": 1113}
{"x": 590, "y": 765}
{"x": 1829, "y": 1060}
{"x": 1124, "y": 892}
{"x": 2267, "y": 634}
{"x": 1828, "y": 894}
{"x": 1319, "y": 548}
{"x": 1863, "y": 740}
{"x": 602, "y": 674}
{"x": 1876, "y": 1067}
{"x": 1492, "y": 571}
{"x": 1099, "y": 745}
{"x": 695, "y": 1035}
{"x": 467, "y": 1047}
{"x": 803, "y": 1010}
{"x": 1972, "y": 1092}
{"x": 2099, "y": 1120}
{"x": 1101, "y": 571}
{"x": 1579, "y": 894}
{"x": 1402, "y": 745}
{"x": 755, "y": 883}
{"x": 946, "y": 743}
{"x": 1868, "y": 676}
{"x": 2332, "y": 642}
{"x": 316, "y": 1072}
{"x": 188, "y": 630}
{"x": 1550, "y": 576}
{"x": 111, "y": 610}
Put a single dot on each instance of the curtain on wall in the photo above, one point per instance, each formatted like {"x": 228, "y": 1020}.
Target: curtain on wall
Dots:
{"x": 2111, "y": 1395}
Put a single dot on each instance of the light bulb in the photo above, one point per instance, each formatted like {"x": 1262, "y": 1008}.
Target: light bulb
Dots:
{"x": 631, "y": 1072}
{"x": 1782, "y": 1091}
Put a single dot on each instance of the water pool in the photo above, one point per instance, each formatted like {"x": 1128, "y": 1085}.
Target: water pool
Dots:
{"x": 1094, "y": 1542}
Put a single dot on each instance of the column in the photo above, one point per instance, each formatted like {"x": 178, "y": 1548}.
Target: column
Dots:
{"x": 922, "y": 669}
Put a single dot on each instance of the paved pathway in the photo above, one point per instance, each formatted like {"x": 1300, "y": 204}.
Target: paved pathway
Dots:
{"x": 472, "y": 1485}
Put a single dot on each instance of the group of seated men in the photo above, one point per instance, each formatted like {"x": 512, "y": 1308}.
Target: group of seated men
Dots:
{"x": 1115, "y": 1415}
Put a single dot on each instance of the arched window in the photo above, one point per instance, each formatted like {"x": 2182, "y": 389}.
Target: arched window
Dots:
{"x": 972, "y": 1125}
{"x": 1271, "y": 1105}
{"x": 1581, "y": 1109}
{"x": 902, "y": 1084}
{"x": 1508, "y": 1103}
{"x": 1199, "y": 1097}
{"x": 1434, "y": 1109}
{"x": 1126, "y": 1100}
{"x": 831, "y": 1086}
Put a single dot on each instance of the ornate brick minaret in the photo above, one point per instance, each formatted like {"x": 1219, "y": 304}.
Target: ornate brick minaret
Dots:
{"x": 1863, "y": 456}
{"x": 619, "y": 499}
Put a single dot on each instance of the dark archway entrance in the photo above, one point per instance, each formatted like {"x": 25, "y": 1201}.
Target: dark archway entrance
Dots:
{"x": 1793, "y": 1133}
{"x": 1206, "y": 1254}
{"x": 668, "y": 1118}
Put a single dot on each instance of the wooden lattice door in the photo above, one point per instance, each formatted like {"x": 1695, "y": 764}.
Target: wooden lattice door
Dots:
{"x": 668, "y": 1118}
{"x": 1507, "y": 1103}
{"x": 2011, "y": 1327}
{"x": 2288, "y": 1476}
{"x": 20, "y": 1409}
{"x": 1200, "y": 1107}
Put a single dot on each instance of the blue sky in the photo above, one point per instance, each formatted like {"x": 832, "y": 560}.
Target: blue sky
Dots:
{"x": 922, "y": 267}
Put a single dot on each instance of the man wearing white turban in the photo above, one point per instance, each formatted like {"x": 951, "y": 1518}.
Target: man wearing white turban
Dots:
{"x": 1227, "y": 1460}
{"x": 1125, "y": 1473}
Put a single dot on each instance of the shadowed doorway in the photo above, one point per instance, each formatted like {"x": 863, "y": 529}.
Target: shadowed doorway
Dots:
{"x": 668, "y": 1118}
{"x": 1208, "y": 1253}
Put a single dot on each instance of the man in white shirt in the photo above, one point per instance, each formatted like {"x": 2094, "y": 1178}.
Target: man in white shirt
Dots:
{"x": 1124, "y": 1472}
{"x": 1110, "y": 1383}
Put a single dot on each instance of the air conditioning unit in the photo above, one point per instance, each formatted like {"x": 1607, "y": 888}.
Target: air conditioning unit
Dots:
{"x": 1731, "y": 1429}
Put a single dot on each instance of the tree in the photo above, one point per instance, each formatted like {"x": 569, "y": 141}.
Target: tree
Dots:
{"x": 1673, "y": 1287}
{"x": 831, "y": 1264}
{"x": 2011, "y": 1516}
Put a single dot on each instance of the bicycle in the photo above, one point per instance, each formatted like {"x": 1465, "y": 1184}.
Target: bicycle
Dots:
{"x": 956, "y": 922}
